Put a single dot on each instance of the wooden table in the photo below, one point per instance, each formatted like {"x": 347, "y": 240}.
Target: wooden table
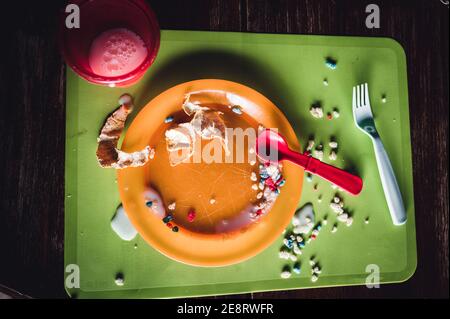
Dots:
{"x": 32, "y": 126}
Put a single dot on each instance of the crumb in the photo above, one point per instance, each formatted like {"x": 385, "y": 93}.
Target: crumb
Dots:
{"x": 285, "y": 274}
{"x": 336, "y": 208}
{"x": 343, "y": 217}
{"x": 349, "y": 221}
{"x": 336, "y": 113}
{"x": 332, "y": 156}
{"x": 119, "y": 281}
{"x": 333, "y": 144}
{"x": 296, "y": 268}
{"x": 310, "y": 145}
{"x": 318, "y": 154}
{"x": 316, "y": 111}
{"x": 283, "y": 254}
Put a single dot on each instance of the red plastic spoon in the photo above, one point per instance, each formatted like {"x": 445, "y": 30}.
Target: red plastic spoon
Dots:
{"x": 279, "y": 150}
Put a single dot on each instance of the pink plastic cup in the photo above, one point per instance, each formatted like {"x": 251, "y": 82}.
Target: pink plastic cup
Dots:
{"x": 97, "y": 16}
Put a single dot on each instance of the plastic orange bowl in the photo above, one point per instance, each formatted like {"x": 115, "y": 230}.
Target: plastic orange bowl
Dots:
{"x": 193, "y": 185}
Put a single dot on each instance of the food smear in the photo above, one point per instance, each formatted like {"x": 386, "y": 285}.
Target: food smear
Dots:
{"x": 116, "y": 52}
{"x": 122, "y": 226}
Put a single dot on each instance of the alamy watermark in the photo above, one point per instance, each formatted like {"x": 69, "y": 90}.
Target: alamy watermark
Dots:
{"x": 373, "y": 19}
{"x": 73, "y": 276}
{"x": 73, "y": 17}
{"x": 239, "y": 145}
{"x": 373, "y": 279}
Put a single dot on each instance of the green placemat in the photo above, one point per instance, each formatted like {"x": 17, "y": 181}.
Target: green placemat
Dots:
{"x": 289, "y": 70}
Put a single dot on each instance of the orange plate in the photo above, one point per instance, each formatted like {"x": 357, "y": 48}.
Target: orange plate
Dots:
{"x": 192, "y": 185}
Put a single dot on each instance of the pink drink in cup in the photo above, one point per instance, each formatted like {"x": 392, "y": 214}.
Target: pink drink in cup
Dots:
{"x": 116, "y": 43}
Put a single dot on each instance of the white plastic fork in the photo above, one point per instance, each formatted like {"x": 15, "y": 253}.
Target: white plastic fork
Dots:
{"x": 362, "y": 114}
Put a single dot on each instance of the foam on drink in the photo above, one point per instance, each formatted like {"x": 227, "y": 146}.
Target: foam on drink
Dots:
{"x": 116, "y": 52}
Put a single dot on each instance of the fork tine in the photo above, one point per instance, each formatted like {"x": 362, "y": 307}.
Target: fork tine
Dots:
{"x": 366, "y": 89}
{"x": 361, "y": 89}
{"x": 361, "y": 96}
{"x": 358, "y": 96}
{"x": 354, "y": 98}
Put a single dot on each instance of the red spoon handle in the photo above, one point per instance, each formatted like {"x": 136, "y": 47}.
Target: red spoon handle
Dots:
{"x": 348, "y": 182}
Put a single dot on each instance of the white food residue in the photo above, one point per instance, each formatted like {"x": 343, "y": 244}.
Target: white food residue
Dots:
{"x": 122, "y": 226}
{"x": 303, "y": 220}
{"x": 153, "y": 201}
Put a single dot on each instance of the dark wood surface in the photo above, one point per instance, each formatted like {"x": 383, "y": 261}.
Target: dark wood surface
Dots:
{"x": 32, "y": 126}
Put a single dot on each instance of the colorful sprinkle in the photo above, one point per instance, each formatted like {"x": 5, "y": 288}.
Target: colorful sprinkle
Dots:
{"x": 175, "y": 229}
{"x": 191, "y": 215}
{"x": 167, "y": 219}
{"x": 331, "y": 63}
{"x": 168, "y": 119}
{"x": 296, "y": 268}
{"x": 149, "y": 203}
{"x": 237, "y": 109}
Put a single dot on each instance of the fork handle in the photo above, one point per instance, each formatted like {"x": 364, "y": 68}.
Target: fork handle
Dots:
{"x": 389, "y": 183}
